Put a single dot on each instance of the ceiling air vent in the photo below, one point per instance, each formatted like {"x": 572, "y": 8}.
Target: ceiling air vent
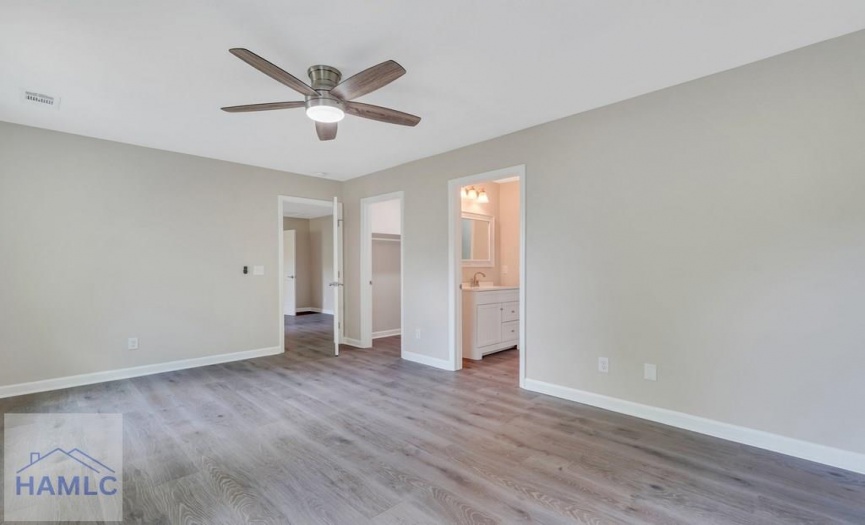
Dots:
{"x": 40, "y": 99}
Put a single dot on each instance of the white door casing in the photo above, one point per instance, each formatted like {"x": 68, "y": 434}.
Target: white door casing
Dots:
{"x": 366, "y": 265}
{"x": 337, "y": 284}
{"x": 455, "y": 351}
{"x": 289, "y": 267}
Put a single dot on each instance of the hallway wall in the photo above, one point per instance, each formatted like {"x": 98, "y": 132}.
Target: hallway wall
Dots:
{"x": 303, "y": 272}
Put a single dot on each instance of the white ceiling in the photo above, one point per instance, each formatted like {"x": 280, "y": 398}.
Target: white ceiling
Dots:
{"x": 156, "y": 72}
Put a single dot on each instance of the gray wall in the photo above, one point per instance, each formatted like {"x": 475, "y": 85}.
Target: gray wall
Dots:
{"x": 321, "y": 263}
{"x": 101, "y": 241}
{"x": 302, "y": 261}
{"x": 715, "y": 228}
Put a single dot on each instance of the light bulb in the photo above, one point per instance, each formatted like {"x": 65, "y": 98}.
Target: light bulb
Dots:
{"x": 473, "y": 193}
{"x": 482, "y": 197}
{"x": 325, "y": 113}
{"x": 324, "y": 109}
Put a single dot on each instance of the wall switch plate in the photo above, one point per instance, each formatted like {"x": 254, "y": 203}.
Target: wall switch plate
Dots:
{"x": 258, "y": 270}
{"x": 417, "y": 333}
{"x": 132, "y": 343}
{"x": 604, "y": 365}
{"x": 650, "y": 372}
{"x": 504, "y": 269}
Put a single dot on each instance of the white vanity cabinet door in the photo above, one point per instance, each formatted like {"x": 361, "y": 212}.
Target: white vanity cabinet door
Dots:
{"x": 489, "y": 324}
{"x": 511, "y": 332}
{"x": 510, "y": 311}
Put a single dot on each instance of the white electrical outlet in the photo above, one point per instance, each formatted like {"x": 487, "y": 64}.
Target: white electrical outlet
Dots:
{"x": 604, "y": 365}
{"x": 417, "y": 333}
{"x": 132, "y": 343}
{"x": 650, "y": 372}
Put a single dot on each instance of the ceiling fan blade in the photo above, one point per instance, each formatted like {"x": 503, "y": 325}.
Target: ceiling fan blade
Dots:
{"x": 325, "y": 130}
{"x": 368, "y": 80}
{"x": 391, "y": 116}
{"x": 273, "y": 71}
{"x": 267, "y": 106}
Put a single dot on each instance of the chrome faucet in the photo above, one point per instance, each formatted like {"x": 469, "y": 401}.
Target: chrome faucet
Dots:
{"x": 474, "y": 282}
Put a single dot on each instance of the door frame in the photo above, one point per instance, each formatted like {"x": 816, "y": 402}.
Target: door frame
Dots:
{"x": 294, "y": 277}
{"x": 366, "y": 266}
{"x": 280, "y": 208}
{"x": 455, "y": 238}
{"x": 338, "y": 283}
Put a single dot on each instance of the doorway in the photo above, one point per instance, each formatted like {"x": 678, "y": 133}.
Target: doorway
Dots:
{"x": 487, "y": 294}
{"x": 381, "y": 272}
{"x": 310, "y": 273}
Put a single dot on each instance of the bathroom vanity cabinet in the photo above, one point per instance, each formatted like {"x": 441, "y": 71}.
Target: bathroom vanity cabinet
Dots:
{"x": 491, "y": 320}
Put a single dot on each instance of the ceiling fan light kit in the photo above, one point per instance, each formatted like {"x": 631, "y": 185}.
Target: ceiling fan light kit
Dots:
{"x": 326, "y": 99}
{"x": 327, "y": 110}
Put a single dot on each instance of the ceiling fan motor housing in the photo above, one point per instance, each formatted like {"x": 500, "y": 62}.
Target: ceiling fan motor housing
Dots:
{"x": 324, "y": 78}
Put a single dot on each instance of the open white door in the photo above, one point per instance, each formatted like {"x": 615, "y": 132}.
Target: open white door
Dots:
{"x": 337, "y": 284}
{"x": 289, "y": 297}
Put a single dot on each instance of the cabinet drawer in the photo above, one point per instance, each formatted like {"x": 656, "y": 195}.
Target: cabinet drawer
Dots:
{"x": 507, "y": 296}
{"x": 487, "y": 297}
{"x": 511, "y": 332}
{"x": 510, "y": 311}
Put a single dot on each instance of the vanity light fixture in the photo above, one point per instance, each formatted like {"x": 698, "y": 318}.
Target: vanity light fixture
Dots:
{"x": 470, "y": 192}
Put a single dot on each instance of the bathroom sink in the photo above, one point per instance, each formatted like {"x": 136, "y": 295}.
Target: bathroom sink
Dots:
{"x": 487, "y": 285}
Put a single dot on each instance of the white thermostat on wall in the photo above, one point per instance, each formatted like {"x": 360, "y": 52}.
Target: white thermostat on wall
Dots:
{"x": 258, "y": 270}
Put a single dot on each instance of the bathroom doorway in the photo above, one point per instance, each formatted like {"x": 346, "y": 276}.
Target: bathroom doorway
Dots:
{"x": 381, "y": 272}
{"x": 487, "y": 268}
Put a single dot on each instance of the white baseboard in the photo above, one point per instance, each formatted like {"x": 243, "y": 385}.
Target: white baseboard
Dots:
{"x": 353, "y": 342}
{"x": 386, "y": 333}
{"x": 124, "y": 373}
{"x": 305, "y": 309}
{"x": 313, "y": 310}
{"x": 444, "y": 364}
{"x": 756, "y": 438}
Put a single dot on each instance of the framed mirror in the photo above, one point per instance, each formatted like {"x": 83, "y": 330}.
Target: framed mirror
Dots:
{"x": 478, "y": 246}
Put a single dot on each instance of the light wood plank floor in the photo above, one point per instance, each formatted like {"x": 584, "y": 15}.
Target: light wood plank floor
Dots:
{"x": 306, "y": 438}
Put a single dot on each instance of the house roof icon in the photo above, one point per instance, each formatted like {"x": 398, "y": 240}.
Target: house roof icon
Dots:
{"x": 75, "y": 454}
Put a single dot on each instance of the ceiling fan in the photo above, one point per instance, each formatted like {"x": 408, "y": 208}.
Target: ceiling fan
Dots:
{"x": 327, "y": 100}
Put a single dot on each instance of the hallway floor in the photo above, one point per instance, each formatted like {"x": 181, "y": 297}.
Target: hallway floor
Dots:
{"x": 309, "y": 331}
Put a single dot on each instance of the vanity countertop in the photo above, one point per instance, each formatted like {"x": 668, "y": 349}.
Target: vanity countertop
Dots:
{"x": 467, "y": 288}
